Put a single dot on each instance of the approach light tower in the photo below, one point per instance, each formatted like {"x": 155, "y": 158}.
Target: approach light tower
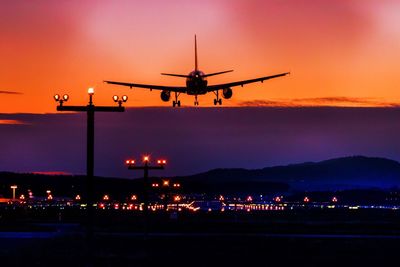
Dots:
{"x": 90, "y": 109}
{"x": 146, "y": 167}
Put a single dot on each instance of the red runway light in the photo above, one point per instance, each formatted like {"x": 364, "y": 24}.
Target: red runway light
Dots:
{"x": 130, "y": 162}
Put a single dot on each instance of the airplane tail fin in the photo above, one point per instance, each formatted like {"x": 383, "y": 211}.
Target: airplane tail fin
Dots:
{"x": 195, "y": 53}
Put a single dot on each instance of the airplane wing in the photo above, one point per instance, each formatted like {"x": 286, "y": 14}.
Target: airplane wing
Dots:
{"x": 215, "y": 87}
{"x": 177, "y": 89}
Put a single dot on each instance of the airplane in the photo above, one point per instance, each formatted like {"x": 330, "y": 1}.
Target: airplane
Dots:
{"x": 196, "y": 84}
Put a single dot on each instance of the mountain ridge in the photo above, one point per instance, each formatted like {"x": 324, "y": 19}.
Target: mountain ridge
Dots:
{"x": 344, "y": 172}
{"x": 354, "y": 172}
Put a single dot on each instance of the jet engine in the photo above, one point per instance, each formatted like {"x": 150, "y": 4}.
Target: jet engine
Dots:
{"x": 165, "y": 95}
{"x": 227, "y": 93}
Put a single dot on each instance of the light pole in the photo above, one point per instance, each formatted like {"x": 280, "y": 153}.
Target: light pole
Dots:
{"x": 13, "y": 187}
{"x": 146, "y": 167}
{"x": 90, "y": 109}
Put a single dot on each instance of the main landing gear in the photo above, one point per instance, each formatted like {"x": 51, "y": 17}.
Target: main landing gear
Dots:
{"x": 196, "y": 102}
{"x": 176, "y": 102}
{"x": 217, "y": 100}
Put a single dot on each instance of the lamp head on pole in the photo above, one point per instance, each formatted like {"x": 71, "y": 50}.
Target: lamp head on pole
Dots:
{"x": 130, "y": 162}
{"x": 90, "y": 91}
{"x": 61, "y": 99}
{"x": 161, "y": 162}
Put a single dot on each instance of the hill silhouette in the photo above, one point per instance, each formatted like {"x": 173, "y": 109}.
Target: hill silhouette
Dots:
{"x": 333, "y": 174}
{"x": 357, "y": 172}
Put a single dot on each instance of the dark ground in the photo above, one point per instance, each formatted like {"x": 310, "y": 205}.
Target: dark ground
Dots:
{"x": 290, "y": 238}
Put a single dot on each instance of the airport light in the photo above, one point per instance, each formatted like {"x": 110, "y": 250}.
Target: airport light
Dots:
{"x": 177, "y": 199}
{"x": 146, "y": 167}
{"x": 121, "y": 100}
{"x": 334, "y": 199}
{"x": 13, "y": 188}
{"x": 306, "y": 199}
{"x": 60, "y": 99}
{"x": 49, "y": 195}
{"x": 90, "y": 110}
{"x": 22, "y": 197}
{"x": 77, "y": 197}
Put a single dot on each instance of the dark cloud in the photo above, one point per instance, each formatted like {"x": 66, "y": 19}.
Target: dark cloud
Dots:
{"x": 198, "y": 139}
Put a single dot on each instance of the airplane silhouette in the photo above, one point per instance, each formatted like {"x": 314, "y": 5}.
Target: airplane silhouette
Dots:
{"x": 196, "y": 84}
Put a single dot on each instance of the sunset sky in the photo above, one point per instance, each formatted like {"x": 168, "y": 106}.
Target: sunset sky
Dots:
{"x": 340, "y": 52}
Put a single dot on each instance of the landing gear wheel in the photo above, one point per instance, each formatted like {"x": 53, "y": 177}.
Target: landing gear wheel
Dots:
{"x": 179, "y": 103}
{"x": 173, "y": 103}
{"x": 220, "y": 102}
{"x": 215, "y": 102}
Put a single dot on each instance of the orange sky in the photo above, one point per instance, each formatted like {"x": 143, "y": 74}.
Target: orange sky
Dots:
{"x": 340, "y": 52}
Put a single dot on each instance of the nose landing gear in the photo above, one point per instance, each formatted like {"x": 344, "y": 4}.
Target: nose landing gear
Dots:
{"x": 176, "y": 103}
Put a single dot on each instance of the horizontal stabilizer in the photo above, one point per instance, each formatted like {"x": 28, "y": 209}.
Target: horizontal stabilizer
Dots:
{"x": 175, "y": 75}
{"x": 216, "y": 73}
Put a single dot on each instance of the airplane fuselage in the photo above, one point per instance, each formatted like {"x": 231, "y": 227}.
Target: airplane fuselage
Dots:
{"x": 196, "y": 84}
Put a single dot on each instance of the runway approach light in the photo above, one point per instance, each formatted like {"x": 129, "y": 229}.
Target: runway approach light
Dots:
{"x": 146, "y": 159}
{"x": 123, "y": 99}
{"x": 58, "y": 98}
{"x": 161, "y": 162}
{"x": 130, "y": 162}
{"x": 90, "y": 91}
